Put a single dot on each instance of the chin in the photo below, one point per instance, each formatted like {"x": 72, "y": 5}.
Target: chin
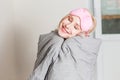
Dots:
{"x": 63, "y": 35}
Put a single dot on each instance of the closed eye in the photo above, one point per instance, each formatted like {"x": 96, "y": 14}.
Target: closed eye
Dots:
{"x": 70, "y": 18}
{"x": 76, "y": 27}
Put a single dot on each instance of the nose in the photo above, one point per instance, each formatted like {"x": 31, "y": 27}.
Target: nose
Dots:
{"x": 68, "y": 26}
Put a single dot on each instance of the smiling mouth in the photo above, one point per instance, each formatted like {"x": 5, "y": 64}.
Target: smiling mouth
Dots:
{"x": 64, "y": 30}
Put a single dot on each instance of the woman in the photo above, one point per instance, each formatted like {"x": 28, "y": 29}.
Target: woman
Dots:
{"x": 68, "y": 53}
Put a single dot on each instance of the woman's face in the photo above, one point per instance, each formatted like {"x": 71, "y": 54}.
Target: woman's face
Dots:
{"x": 69, "y": 26}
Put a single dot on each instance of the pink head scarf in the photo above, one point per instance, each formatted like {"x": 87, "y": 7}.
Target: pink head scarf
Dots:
{"x": 85, "y": 18}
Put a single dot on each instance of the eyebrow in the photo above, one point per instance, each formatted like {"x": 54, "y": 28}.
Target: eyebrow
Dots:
{"x": 78, "y": 24}
{"x": 73, "y": 19}
{"x": 70, "y": 17}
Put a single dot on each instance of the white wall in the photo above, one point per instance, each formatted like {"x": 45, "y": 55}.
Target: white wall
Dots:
{"x": 7, "y": 55}
{"x": 110, "y": 50}
{"x": 111, "y": 58}
{"x": 109, "y": 65}
{"x": 32, "y": 18}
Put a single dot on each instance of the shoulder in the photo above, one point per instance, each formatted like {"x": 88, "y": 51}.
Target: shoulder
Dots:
{"x": 91, "y": 41}
{"x": 87, "y": 43}
{"x": 48, "y": 35}
{"x": 51, "y": 37}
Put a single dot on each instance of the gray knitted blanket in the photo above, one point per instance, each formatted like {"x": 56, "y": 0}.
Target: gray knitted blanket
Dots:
{"x": 70, "y": 59}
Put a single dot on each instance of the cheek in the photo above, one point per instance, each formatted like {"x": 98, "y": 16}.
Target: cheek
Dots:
{"x": 59, "y": 26}
{"x": 77, "y": 32}
{"x": 65, "y": 21}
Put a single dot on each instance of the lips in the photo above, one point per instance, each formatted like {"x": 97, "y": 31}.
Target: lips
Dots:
{"x": 63, "y": 28}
